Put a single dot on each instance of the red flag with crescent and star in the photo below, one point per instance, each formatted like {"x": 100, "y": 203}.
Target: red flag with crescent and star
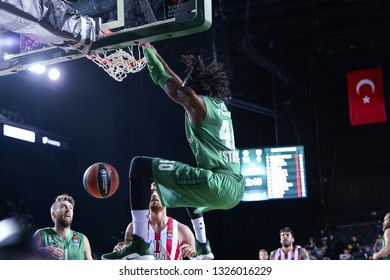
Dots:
{"x": 366, "y": 98}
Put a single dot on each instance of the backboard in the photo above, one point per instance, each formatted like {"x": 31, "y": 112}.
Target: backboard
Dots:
{"x": 131, "y": 22}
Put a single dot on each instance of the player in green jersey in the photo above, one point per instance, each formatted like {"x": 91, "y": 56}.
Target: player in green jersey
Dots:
{"x": 61, "y": 242}
{"x": 384, "y": 253}
{"x": 216, "y": 182}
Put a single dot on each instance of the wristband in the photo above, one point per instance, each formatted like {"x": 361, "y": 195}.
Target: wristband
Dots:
{"x": 156, "y": 69}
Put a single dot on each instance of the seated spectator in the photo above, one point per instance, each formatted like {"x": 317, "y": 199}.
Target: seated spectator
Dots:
{"x": 355, "y": 244}
{"x": 331, "y": 250}
{"x": 324, "y": 248}
{"x": 314, "y": 251}
{"x": 311, "y": 245}
{"x": 345, "y": 255}
{"x": 348, "y": 249}
{"x": 377, "y": 244}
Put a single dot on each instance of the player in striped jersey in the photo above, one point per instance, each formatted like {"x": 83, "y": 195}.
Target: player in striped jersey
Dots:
{"x": 170, "y": 240}
{"x": 289, "y": 251}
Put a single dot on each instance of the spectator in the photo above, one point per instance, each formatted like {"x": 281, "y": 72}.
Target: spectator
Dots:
{"x": 355, "y": 244}
{"x": 331, "y": 251}
{"x": 377, "y": 244}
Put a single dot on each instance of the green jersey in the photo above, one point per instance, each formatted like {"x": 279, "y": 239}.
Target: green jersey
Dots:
{"x": 73, "y": 245}
{"x": 212, "y": 140}
{"x": 216, "y": 183}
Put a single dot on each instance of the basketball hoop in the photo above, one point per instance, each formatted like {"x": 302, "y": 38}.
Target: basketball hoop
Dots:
{"x": 118, "y": 62}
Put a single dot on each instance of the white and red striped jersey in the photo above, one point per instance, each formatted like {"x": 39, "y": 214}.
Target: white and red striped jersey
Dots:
{"x": 165, "y": 244}
{"x": 292, "y": 255}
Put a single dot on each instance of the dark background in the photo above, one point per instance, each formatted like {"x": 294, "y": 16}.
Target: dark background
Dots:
{"x": 288, "y": 56}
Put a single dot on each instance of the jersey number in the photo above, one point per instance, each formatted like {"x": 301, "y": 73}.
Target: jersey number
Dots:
{"x": 166, "y": 165}
{"x": 226, "y": 134}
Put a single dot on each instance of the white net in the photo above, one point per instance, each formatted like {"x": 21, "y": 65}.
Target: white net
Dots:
{"x": 118, "y": 63}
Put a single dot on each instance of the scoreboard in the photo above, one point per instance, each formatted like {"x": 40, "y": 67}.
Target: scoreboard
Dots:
{"x": 273, "y": 173}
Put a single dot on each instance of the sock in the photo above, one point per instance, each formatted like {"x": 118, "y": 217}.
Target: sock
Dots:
{"x": 200, "y": 229}
{"x": 140, "y": 223}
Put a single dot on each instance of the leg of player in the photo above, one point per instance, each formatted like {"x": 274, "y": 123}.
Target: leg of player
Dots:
{"x": 140, "y": 176}
{"x": 203, "y": 249}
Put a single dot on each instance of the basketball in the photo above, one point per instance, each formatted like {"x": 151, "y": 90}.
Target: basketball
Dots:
{"x": 101, "y": 180}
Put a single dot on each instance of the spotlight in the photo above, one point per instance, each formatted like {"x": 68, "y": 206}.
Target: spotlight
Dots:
{"x": 48, "y": 141}
{"x": 54, "y": 74}
{"x": 19, "y": 133}
{"x": 38, "y": 68}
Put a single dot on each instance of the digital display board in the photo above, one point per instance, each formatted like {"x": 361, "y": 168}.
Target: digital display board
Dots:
{"x": 273, "y": 173}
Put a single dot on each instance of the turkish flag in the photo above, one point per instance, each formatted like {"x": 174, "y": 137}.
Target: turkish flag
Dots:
{"x": 366, "y": 98}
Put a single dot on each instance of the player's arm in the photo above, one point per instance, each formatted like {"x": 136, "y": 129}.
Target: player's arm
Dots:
{"x": 304, "y": 254}
{"x": 386, "y": 249}
{"x": 127, "y": 238}
{"x": 51, "y": 252}
{"x": 172, "y": 85}
{"x": 187, "y": 241}
{"x": 37, "y": 241}
{"x": 272, "y": 255}
{"x": 129, "y": 233}
{"x": 37, "y": 245}
{"x": 167, "y": 69}
{"x": 87, "y": 249}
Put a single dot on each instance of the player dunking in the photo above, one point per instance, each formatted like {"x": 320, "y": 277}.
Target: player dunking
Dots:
{"x": 216, "y": 182}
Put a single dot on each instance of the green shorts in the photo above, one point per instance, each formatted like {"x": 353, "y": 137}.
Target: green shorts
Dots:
{"x": 182, "y": 185}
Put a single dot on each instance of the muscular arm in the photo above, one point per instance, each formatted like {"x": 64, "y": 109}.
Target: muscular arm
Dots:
{"x": 304, "y": 254}
{"x": 186, "y": 240}
{"x": 172, "y": 85}
{"x": 386, "y": 249}
{"x": 127, "y": 238}
{"x": 272, "y": 255}
{"x": 37, "y": 240}
{"x": 129, "y": 233}
{"x": 87, "y": 249}
{"x": 165, "y": 65}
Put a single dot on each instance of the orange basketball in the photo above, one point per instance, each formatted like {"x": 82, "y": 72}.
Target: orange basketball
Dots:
{"x": 101, "y": 180}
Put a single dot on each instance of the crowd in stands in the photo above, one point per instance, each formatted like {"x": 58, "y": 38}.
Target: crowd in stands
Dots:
{"x": 346, "y": 242}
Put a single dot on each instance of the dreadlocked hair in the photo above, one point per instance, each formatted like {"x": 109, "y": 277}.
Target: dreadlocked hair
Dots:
{"x": 210, "y": 80}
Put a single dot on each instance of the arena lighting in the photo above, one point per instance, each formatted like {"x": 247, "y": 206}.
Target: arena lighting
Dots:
{"x": 7, "y": 56}
{"x": 54, "y": 74}
{"x": 48, "y": 141}
{"x": 31, "y": 134}
{"x": 9, "y": 43}
{"x": 9, "y": 231}
{"x": 19, "y": 133}
{"x": 37, "y": 68}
